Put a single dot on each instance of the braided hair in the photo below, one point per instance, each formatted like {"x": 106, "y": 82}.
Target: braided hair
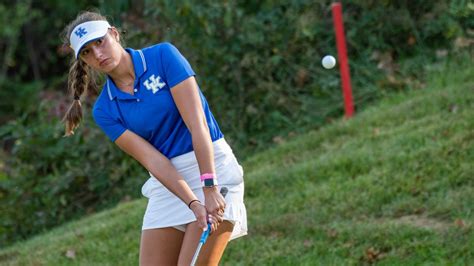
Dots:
{"x": 81, "y": 77}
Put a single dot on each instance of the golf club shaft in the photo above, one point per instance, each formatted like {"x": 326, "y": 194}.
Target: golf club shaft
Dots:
{"x": 193, "y": 262}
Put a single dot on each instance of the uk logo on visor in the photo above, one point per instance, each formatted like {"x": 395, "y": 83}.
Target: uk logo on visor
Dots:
{"x": 80, "y": 32}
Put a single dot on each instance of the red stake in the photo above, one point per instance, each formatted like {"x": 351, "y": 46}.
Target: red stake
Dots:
{"x": 343, "y": 62}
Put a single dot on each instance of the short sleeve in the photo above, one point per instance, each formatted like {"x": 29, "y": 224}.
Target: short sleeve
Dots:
{"x": 111, "y": 127}
{"x": 175, "y": 65}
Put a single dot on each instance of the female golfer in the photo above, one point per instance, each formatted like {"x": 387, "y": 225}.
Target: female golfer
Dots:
{"x": 153, "y": 109}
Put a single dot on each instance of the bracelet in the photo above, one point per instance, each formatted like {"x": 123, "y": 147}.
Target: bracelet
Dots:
{"x": 208, "y": 176}
{"x": 189, "y": 204}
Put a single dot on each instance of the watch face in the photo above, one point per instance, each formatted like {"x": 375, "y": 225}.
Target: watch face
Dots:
{"x": 209, "y": 182}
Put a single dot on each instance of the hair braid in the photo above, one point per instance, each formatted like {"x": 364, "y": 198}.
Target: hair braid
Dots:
{"x": 77, "y": 84}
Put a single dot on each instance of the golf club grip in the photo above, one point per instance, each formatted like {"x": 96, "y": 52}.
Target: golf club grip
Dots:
{"x": 205, "y": 234}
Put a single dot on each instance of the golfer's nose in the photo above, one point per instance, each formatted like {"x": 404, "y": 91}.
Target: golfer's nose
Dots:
{"x": 96, "y": 51}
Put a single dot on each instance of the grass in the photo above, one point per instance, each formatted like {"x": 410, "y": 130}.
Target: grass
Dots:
{"x": 392, "y": 186}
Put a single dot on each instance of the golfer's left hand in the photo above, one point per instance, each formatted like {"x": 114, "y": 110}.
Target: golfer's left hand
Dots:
{"x": 214, "y": 202}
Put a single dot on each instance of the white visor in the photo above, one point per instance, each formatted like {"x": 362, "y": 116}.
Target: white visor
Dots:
{"x": 86, "y": 32}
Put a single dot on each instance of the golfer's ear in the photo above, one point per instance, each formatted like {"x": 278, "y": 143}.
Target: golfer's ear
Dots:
{"x": 115, "y": 34}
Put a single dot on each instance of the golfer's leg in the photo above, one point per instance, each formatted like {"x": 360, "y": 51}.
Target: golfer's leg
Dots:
{"x": 160, "y": 246}
{"x": 211, "y": 253}
{"x": 212, "y": 250}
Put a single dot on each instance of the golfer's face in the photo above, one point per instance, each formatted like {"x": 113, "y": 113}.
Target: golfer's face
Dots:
{"x": 102, "y": 54}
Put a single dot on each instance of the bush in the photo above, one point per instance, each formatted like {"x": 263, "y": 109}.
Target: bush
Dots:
{"x": 51, "y": 179}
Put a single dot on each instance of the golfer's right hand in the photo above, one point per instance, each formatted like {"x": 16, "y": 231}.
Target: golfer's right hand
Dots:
{"x": 200, "y": 212}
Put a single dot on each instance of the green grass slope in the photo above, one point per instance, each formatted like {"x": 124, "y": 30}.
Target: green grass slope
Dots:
{"x": 393, "y": 186}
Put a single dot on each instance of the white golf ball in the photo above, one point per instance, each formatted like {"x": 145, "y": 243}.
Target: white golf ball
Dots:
{"x": 328, "y": 62}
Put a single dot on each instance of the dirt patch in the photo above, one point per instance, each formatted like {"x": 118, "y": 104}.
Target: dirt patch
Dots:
{"x": 8, "y": 256}
{"x": 424, "y": 222}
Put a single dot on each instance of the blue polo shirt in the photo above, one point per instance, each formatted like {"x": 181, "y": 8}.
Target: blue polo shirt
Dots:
{"x": 151, "y": 112}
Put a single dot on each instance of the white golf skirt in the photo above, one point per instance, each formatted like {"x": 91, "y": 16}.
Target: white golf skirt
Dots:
{"x": 165, "y": 209}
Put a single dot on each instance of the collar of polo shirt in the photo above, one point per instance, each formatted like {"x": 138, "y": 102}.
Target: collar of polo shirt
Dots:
{"x": 86, "y": 32}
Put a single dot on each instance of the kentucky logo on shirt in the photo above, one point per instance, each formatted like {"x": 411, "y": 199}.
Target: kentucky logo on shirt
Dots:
{"x": 154, "y": 84}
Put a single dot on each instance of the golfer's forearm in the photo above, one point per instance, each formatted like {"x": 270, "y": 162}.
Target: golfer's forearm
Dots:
{"x": 156, "y": 163}
{"x": 167, "y": 174}
{"x": 202, "y": 145}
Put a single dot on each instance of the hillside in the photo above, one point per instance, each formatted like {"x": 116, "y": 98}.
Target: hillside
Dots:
{"x": 394, "y": 185}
